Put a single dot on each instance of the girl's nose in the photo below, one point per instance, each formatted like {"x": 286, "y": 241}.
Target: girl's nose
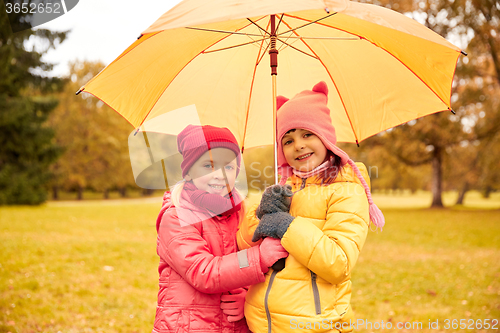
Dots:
{"x": 218, "y": 173}
{"x": 299, "y": 145}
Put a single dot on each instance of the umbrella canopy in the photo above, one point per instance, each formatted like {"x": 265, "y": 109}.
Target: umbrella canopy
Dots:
{"x": 382, "y": 68}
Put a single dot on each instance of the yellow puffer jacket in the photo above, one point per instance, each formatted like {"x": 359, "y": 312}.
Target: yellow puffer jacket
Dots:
{"x": 313, "y": 292}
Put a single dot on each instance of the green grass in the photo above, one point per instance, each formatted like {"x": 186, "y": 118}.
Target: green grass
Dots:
{"x": 91, "y": 266}
{"x": 80, "y": 268}
{"x": 422, "y": 199}
{"x": 430, "y": 265}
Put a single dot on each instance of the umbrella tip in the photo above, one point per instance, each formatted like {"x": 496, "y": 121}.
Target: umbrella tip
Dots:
{"x": 79, "y": 91}
{"x": 357, "y": 143}
{"x": 137, "y": 131}
{"x": 464, "y": 53}
{"x": 327, "y": 10}
{"x": 452, "y": 111}
{"x": 140, "y": 36}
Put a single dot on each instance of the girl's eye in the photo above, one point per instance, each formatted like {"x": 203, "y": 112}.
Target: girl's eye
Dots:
{"x": 229, "y": 167}
{"x": 207, "y": 166}
{"x": 287, "y": 142}
{"x": 307, "y": 135}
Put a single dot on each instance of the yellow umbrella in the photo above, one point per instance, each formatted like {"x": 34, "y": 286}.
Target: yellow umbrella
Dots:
{"x": 382, "y": 68}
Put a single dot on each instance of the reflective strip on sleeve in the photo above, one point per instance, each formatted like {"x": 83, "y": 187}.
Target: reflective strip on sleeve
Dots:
{"x": 243, "y": 258}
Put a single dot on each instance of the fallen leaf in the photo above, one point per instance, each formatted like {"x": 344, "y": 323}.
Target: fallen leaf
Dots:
{"x": 431, "y": 292}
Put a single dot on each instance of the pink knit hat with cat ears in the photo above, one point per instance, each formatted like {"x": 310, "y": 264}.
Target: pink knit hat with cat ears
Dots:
{"x": 308, "y": 110}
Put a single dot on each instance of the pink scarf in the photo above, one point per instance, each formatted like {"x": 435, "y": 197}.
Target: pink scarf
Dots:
{"x": 214, "y": 203}
{"x": 376, "y": 215}
{"x": 313, "y": 172}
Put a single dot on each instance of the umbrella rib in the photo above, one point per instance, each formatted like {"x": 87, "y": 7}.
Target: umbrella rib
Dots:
{"x": 286, "y": 40}
{"x": 325, "y": 38}
{"x": 279, "y": 22}
{"x": 258, "y": 26}
{"x": 201, "y": 52}
{"x": 224, "y": 32}
{"x": 251, "y": 86}
{"x": 251, "y": 91}
{"x": 333, "y": 81}
{"x": 263, "y": 54}
{"x": 293, "y": 47}
{"x": 233, "y": 46}
{"x": 305, "y": 25}
{"x": 362, "y": 38}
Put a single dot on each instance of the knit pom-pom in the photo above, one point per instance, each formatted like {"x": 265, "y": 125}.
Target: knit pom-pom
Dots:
{"x": 376, "y": 216}
{"x": 321, "y": 87}
{"x": 280, "y": 100}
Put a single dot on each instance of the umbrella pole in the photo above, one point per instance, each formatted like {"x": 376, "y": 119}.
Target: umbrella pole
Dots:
{"x": 273, "y": 53}
{"x": 274, "y": 132}
{"x": 152, "y": 158}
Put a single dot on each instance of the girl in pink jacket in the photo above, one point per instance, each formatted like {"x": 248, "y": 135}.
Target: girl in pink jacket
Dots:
{"x": 202, "y": 275}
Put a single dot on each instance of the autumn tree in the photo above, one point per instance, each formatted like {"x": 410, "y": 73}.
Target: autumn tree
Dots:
{"x": 25, "y": 104}
{"x": 94, "y": 138}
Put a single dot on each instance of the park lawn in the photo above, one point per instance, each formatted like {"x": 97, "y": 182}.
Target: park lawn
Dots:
{"x": 92, "y": 267}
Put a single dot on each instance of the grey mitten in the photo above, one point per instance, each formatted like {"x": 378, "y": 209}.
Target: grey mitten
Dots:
{"x": 276, "y": 198}
{"x": 273, "y": 225}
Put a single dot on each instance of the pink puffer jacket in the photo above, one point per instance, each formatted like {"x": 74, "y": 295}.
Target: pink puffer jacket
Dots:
{"x": 198, "y": 264}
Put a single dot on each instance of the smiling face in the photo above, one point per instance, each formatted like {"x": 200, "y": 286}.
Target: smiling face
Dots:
{"x": 303, "y": 150}
{"x": 206, "y": 173}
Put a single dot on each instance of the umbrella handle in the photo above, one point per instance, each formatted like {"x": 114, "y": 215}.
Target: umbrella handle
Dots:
{"x": 274, "y": 132}
{"x": 273, "y": 53}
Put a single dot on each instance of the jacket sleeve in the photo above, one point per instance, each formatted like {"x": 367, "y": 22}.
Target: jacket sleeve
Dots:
{"x": 248, "y": 224}
{"x": 183, "y": 249}
{"x": 332, "y": 252}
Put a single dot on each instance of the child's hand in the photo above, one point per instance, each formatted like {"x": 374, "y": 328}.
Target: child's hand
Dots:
{"x": 276, "y": 198}
{"x": 273, "y": 225}
{"x": 270, "y": 251}
{"x": 232, "y": 305}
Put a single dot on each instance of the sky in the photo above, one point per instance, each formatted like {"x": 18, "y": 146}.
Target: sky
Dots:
{"x": 101, "y": 29}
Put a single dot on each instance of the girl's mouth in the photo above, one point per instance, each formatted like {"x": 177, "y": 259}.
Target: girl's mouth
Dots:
{"x": 304, "y": 157}
{"x": 217, "y": 187}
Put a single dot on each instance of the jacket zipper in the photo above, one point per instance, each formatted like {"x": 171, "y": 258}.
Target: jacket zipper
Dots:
{"x": 271, "y": 280}
{"x": 317, "y": 302}
{"x": 303, "y": 184}
{"x": 268, "y": 314}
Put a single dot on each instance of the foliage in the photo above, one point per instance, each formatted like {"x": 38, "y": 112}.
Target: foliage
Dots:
{"x": 27, "y": 146}
{"x": 259, "y": 167}
{"x": 94, "y": 138}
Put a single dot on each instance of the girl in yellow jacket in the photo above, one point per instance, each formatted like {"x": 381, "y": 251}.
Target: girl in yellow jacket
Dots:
{"x": 323, "y": 226}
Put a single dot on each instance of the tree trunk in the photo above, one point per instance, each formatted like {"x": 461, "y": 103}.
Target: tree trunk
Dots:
{"x": 123, "y": 192}
{"x": 80, "y": 193}
{"x": 437, "y": 175}
{"x": 461, "y": 195}
{"x": 106, "y": 194}
{"x": 486, "y": 192}
{"x": 55, "y": 192}
{"x": 147, "y": 192}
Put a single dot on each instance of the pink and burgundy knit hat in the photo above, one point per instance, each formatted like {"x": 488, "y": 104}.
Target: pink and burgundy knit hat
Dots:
{"x": 308, "y": 110}
{"x": 195, "y": 140}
